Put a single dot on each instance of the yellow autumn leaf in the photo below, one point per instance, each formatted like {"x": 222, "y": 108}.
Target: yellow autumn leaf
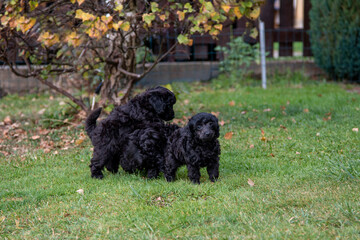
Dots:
{"x": 207, "y": 27}
{"x": 73, "y": 39}
{"x": 117, "y": 25}
{"x": 106, "y": 19}
{"x": 84, "y": 16}
{"x": 162, "y": 17}
{"x": 80, "y": 2}
{"x": 48, "y": 39}
{"x": 218, "y": 26}
{"x": 254, "y": 14}
{"x": 181, "y": 15}
{"x": 237, "y": 12}
{"x": 125, "y": 26}
{"x": 226, "y": 8}
{"x": 25, "y": 24}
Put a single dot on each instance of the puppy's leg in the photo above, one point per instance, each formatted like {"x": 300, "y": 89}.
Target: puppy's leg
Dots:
{"x": 113, "y": 165}
{"x": 152, "y": 172}
{"x": 213, "y": 171}
{"x": 100, "y": 158}
{"x": 193, "y": 174}
{"x": 170, "y": 168}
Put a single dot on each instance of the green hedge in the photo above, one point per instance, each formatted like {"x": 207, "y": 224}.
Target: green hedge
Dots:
{"x": 335, "y": 37}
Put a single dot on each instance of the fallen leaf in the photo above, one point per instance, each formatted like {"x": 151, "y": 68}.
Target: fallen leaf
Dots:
{"x": 80, "y": 191}
{"x": 250, "y": 182}
{"x": 222, "y": 123}
{"x": 232, "y": 103}
{"x": 251, "y": 146}
{"x": 79, "y": 141}
{"x": 61, "y": 103}
{"x": 7, "y": 120}
{"x": 306, "y": 110}
{"x": 273, "y": 118}
{"x": 267, "y": 110}
{"x": 355, "y": 129}
{"x": 243, "y": 112}
{"x": 186, "y": 101}
{"x": 297, "y": 152}
{"x": 216, "y": 114}
{"x": 35, "y": 137}
{"x": 317, "y": 134}
{"x": 47, "y": 150}
{"x": 271, "y": 154}
{"x": 228, "y": 135}
{"x": 41, "y": 112}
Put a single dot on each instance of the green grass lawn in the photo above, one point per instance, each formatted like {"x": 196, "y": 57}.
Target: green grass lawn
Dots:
{"x": 295, "y": 141}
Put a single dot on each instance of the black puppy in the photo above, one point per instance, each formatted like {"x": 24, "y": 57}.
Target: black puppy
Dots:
{"x": 195, "y": 145}
{"x": 144, "y": 148}
{"x": 109, "y": 137}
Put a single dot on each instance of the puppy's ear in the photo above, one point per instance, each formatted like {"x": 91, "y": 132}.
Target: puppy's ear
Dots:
{"x": 156, "y": 103}
{"x": 191, "y": 125}
{"x": 217, "y": 127}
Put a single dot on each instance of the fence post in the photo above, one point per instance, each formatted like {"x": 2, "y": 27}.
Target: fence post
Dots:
{"x": 262, "y": 52}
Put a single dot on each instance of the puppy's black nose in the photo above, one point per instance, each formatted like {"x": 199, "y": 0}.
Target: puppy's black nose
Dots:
{"x": 208, "y": 134}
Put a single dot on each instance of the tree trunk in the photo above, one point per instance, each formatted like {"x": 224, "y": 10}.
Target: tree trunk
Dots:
{"x": 117, "y": 85}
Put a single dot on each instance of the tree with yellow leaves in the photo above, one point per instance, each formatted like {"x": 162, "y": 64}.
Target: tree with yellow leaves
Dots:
{"x": 100, "y": 38}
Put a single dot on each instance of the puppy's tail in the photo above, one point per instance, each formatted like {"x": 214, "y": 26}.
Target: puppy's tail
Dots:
{"x": 90, "y": 123}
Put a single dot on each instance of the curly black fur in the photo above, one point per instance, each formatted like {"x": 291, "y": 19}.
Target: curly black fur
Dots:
{"x": 196, "y": 145}
{"x": 145, "y": 147}
{"x": 125, "y": 122}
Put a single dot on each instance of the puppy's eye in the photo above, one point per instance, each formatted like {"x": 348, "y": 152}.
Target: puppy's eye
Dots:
{"x": 198, "y": 127}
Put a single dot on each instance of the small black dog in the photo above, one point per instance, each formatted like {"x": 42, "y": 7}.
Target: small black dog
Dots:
{"x": 144, "y": 149}
{"x": 195, "y": 145}
{"x": 110, "y": 136}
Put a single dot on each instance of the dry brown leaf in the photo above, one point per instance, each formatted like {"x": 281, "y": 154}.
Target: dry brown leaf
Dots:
{"x": 80, "y": 191}
{"x": 243, "y": 112}
{"x": 251, "y": 146}
{"x": 35, "y": 137}
{"x": 41, "y": 112}
{"x": 7, "y": 120}
{"x": 273, "y": 118}
{"x": 186, "y": 101}
{"x": 222, "y": 123}
{"x": 232, "y": 103}
{"x": 250, "y": 182}
{"x": 267, "y": 110}
{"x": 228, "y": 135}
{"x": 216, "y": 114}
{"x": 355, "y": 129}
{"x": 306, "y": 110}
{"x": 271, "y": 154}
{"x": 79, "y": 141}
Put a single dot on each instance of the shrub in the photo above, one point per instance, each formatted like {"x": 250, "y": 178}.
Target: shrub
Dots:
{"x": 237, "y": 57}
{"x": 335, "y": 37}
